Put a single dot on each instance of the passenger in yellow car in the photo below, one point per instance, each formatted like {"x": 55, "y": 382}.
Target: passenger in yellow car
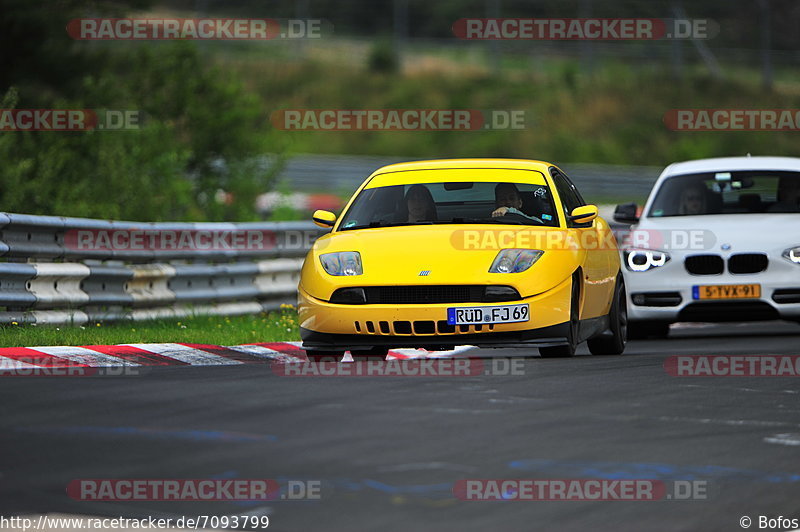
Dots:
{"x": 420, "y": 205}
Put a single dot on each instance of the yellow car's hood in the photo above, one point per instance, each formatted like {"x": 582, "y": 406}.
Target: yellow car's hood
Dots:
{"x": 438, "y": 255}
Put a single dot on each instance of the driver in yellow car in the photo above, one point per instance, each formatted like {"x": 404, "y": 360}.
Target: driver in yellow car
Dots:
{"x": 508, "y": 200}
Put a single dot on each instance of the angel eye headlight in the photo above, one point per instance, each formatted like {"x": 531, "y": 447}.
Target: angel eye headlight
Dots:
{"x": 792, "y": 254}
{"x": 342, "y": 263}
{"x": 641, "y": 260}
{"x": 515, "y": 260}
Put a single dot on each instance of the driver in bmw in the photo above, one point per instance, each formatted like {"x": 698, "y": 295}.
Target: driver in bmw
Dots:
{"x": 788, "y": 195}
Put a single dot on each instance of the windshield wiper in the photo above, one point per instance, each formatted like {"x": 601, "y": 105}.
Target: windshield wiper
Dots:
{"x": 481, "y": 221}
{"x": 381, "y": 223}
{"x": 398, "y": 224}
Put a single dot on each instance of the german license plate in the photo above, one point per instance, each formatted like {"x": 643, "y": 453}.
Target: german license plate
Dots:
{"x": 726, "y": 291}
{"x": 496, "y": 314}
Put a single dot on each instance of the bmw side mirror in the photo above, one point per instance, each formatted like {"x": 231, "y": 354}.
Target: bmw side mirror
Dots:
{"x": 626, "y": 213}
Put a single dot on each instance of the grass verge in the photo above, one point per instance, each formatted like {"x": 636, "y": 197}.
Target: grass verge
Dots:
{"x": 218, "y": 330}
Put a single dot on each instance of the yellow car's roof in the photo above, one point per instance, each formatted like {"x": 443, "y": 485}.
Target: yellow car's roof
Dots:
{"x": 459, "y": 170}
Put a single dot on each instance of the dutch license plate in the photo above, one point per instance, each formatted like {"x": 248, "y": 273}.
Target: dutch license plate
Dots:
{"x": 726, "y": 291}
{"x": 498, "y": 314}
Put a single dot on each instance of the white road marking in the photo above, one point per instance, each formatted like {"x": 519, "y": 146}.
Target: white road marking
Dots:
{"x": 10, "y": 363}
{"x": 187, "y": 354}
{"x": 423, "y": 353}
{"x": 792, "y": 440}
{"x": 82, "y": 355}
{"x": 198, "y": 357}
{"x": 264, "y": 352}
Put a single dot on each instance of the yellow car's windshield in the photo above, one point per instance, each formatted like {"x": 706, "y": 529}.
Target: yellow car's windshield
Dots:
{"x": 459, "y": 202}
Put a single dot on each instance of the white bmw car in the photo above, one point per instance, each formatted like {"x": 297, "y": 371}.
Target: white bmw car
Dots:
{"x": 717, "y": 240}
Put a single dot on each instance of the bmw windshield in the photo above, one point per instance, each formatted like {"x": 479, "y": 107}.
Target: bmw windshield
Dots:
{"x": 743, "y": 192}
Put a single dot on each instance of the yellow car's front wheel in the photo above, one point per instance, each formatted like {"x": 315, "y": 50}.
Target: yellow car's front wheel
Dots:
{"x": 568, "y": 349}
{"x": 613, "y": 343}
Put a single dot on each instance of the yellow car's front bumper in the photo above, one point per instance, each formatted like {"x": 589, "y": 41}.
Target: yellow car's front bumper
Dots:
{"x": 324, "y": 325}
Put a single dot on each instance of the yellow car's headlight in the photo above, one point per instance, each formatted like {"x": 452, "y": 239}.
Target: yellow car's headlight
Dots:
{"x": 342, "y": 263}
{"x": 515, "y": 260}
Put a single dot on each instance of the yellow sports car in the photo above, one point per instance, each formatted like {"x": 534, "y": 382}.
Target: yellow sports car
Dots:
{"x": 484, "y": 252}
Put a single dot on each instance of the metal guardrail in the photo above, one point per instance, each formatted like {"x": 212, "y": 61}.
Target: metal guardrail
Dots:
{"x": 47, "y": 276}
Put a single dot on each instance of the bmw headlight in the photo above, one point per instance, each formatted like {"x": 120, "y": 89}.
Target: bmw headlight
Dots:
{"x": 515, "y": 260}
{"x": 792, "y": 254}
{"x": 641, "y": 260}
{"x": 342, "y": 263}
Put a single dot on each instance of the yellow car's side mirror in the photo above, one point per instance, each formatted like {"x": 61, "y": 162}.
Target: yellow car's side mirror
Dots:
{"x": 324, "y": 218}
{"x": 583, "y": 214}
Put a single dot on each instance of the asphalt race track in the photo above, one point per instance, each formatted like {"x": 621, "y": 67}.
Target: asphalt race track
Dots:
{"x": 388, "y": 450}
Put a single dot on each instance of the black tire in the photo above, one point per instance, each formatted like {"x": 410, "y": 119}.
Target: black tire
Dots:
{"x": 613, "y": 342}
{"x": 324, "y": 355}
{"x": 639, "y": 330}
{"x": 375, "y": 353}
{"x": 568, "y": 350}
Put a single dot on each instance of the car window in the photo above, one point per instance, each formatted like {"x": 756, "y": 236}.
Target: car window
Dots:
{"x": 743, "y": 192}
{"x": 452, "y": 202}
{"x": 570, "y": 197}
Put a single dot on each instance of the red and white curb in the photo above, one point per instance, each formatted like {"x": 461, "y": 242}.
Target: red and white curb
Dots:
{"x": 177, "y": 354}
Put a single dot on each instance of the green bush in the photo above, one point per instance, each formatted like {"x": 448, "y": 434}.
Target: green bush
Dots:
{"x": 192, "y": 158}
{"x": 382, "y": 57}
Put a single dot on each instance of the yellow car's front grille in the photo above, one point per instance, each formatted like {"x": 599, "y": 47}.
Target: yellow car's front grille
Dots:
{"x": 417, "y": 328}
{"x": 423, "y": 294}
